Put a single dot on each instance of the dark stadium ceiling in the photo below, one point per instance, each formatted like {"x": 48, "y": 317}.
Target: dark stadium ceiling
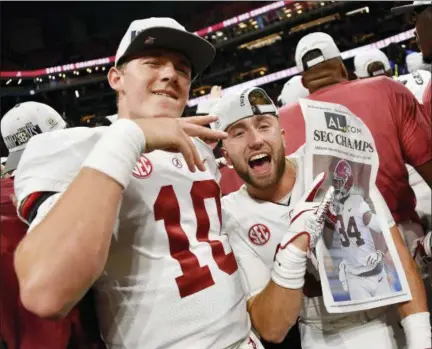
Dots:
{"x": 40, "y": 35}
{"x": 34, "y": 26}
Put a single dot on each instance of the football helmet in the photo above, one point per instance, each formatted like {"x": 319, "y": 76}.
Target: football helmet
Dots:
{"x": 343, "y": 179}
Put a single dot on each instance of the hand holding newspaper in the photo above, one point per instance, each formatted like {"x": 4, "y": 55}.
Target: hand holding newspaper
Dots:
{"x": 358, "y": 263}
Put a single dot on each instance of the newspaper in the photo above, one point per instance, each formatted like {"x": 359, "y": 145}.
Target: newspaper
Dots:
{"x": 359, "y": 266}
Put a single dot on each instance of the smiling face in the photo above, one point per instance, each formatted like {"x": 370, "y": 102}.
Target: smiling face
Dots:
{"x": 153, "y": 84}
{"x": 255, "y": 149}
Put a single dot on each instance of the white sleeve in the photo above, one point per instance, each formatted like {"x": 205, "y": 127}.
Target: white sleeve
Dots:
{"x": 47, "y": 205}
{"x": 43, "y": 210}
{"x": 52, "y": 160}
{"x": 254, "y": 272}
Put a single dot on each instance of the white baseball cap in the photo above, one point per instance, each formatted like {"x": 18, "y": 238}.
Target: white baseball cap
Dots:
{"x": 24, "y": 121}
{"x": 241, "y": 104}
{"x": 367, "y": 57}
{"x": 411, "y": 7}
{"x": 293, "y": 90}
{"x": 319, "y": 41}
{"x": 165, "y": 33}
{"x": 414, "y": 62}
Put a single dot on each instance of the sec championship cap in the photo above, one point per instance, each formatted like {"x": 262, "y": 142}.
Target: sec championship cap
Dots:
{"x": 322, "y": 43}
{"x": 241, "y": 104}
{"x": 292, "y": 91}
{"x": 367, "y": 57}
{"x": 24, "y": 121}
{"x": 169, "y": 34}
{"x": 416, "y": 5}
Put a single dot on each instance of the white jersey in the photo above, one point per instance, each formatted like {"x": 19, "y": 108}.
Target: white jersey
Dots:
{"x": 416, "y": 82}
{"x": 423, "y": 195}
{"x": 355, "y": 237}
{"x": 171, "y": 279}
{"x": 255, "y": 229}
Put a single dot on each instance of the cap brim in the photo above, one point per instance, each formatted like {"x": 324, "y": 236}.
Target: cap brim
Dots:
{"x": 199, "y": 51}
{"x": 12, "y": 161}
{"x": 407, "y": 8}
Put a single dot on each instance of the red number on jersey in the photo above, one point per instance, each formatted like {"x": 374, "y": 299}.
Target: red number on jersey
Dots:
{"x": 195, "y": 278}
{"x": 351, "y": 232}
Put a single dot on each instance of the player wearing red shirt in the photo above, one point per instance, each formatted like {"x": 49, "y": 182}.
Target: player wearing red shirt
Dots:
{"x": 393, "y": 115}
{"x": 20, "y": 328}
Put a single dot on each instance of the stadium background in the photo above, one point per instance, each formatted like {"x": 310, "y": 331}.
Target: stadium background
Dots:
{"x": 59, "y": 53}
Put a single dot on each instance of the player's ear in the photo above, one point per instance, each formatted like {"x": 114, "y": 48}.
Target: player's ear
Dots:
{"x": 115, "y": 78}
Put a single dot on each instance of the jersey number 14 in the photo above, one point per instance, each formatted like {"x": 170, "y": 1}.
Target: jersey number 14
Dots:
{"x": 195, "y": 277}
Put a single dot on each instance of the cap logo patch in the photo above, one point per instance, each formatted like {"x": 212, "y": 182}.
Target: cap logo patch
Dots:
{"x": 51, "y": 122}
{"x": 260, "y": 102}
{"x": 22, "y": 135}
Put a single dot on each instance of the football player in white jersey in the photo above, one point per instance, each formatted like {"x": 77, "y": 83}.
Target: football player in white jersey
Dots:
{"x": 259, "y": 217}
{"x": 124, "y": 209}
{"x": 361, "y": 270}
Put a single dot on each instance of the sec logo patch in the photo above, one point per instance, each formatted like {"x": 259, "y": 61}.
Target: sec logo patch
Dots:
{"x": 143, "y": 168}
{"x": 177, "y": 162}
{"x": 259, "y": 234}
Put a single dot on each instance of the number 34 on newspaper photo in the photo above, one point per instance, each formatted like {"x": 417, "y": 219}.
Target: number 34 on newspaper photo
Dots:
{"x": 359, "y": 266}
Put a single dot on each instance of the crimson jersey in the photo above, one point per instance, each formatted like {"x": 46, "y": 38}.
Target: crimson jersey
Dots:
{"x": 397, "y": 123}
{"x": 171, "y": 279}
{"x": 20, "y": 328}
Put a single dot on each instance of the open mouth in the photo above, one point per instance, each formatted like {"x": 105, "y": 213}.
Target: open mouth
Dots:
{"x": 260, "y": 163}
{"x": 166, "y": 94}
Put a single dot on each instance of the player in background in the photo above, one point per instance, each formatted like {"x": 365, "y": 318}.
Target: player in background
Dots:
{"x": 397, "y": 132}
{"x": 422, "y": 14}
{"x": 419, "y": 75}
{"x": 19, "y": 327}
{"x": 373, "y": 62}
{"x": 370, "y": 63}
{"x": 292, "y": 90}
{"x": 134, "y": 210}
{"x": 361, "y": 270}
{"x": 257, "y": 219}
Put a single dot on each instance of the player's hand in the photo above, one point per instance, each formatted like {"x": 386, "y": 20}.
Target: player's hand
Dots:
{"x": 307, "y": 217}
{"x": 307, "y": 223}
{"x": 173, "y": 134}
{"x": 374, "y": 258}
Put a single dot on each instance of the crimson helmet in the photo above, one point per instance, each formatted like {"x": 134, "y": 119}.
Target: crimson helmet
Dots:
{"x": 343, "y": 179}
